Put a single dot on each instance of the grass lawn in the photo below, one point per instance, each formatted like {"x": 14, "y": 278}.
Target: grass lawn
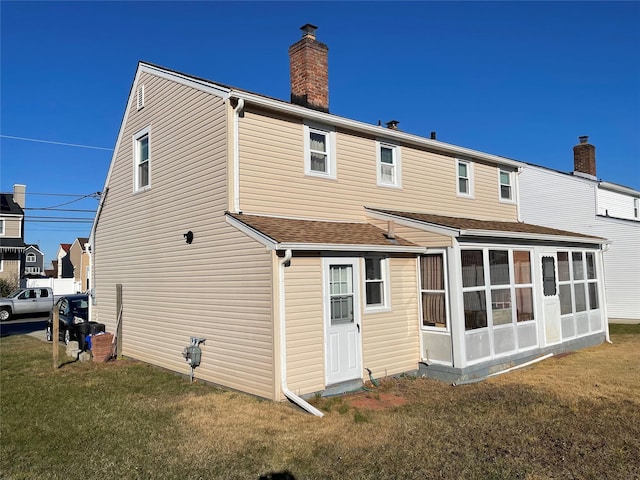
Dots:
{"x": 569, "y": 417}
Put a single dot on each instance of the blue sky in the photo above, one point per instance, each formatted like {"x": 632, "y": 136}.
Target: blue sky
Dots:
{"x": 517, "y": 79}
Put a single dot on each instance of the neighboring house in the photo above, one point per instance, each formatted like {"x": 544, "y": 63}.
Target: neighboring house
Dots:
{"x": 582, "y": 203}
{"x": 12, "y": 234}
{"x": 33, "y": 260}
{"x": 65, "y": 267}
{"x": 53, "y": 271}
{"x": 307, "y": 247}
{"x": 81, "y": 261}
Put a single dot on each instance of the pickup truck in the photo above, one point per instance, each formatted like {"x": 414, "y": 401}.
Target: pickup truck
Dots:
{"x": 27, "y": 301}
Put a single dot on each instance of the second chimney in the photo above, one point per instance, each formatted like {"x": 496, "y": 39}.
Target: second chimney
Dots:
{"x": 309, "y": 66}
{"x": 584, "y": 157}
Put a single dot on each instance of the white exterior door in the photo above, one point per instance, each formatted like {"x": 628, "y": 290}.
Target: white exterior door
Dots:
{"x": 342, "y": 320}
{"x": 551, "y": 298}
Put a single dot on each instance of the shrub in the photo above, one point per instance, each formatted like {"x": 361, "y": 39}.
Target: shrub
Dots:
{"x": 7, "y": 287}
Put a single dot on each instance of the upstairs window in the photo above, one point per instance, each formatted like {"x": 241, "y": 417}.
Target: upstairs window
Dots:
{"x": 636, "y": 208}
{"x": 465, "y": 178}
{"x": 1, "y": 226}
{"x": 31, "y": 257}
{"x": 506, "y": 185}
{"x": 142, "y": 160}
{"x": 319, "y": 151}
{"x": 388, "y": 163}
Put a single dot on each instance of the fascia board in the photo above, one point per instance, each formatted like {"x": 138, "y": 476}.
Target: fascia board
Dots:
{"x": 417, "y": 224}
{"x": 336, "y": 247}
{"x": 12, "y": 215}
{"x": 619, "y": 189}
{"x": 532, "y": 236}
{"x": 205, "y": 86}
{"x": 268, "y": 242}
{"x": 374, "y": 130}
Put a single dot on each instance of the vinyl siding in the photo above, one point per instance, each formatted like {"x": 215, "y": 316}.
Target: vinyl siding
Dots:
{"x": 390, "y": 341}
{"x": 304, "y": 325}
{"x": 573, "y": 201}
{"x": 272, "y": 179}
{"x": 615, "y": 204}
{"x": 419, "y": 237}
{"x": 12, "y": 227}
{"x": 218, "y": 287}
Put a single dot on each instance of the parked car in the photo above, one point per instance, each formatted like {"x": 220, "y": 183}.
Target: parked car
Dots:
{"x": 73, "y": 313}
{"x": 27, "y": 301}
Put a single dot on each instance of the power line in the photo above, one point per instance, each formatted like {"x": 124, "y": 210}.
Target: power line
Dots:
{"x": 56, "y": 143}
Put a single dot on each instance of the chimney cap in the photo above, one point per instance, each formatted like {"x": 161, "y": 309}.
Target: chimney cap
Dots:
{"x": 584, "y": 138}
{"x": 309, "y": 30}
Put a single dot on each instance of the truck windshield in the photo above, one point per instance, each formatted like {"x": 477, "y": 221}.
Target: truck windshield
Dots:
{"x": 80, "y": 304}
{"x": 15, "y": 294}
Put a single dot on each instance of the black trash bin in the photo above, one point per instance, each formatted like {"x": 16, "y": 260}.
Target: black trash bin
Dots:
{"x": 95, "y": 328}
{"x": 82, "y": 330}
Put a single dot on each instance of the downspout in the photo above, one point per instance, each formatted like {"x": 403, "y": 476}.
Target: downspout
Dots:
{"x": 605, "y": 248}
{"x": 237, "y": 111}
{"x": 283, "y": 345}
{"x": 519, "y": 215}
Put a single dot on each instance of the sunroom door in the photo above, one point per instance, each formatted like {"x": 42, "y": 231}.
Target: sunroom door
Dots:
{"x": 342, "y": 319}
{"x": 550, "y": 298}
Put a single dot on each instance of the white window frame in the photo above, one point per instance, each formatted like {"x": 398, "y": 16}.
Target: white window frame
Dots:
{"x": 145, "y": 132}
{"x": 2, "y": 225}
{"x": 386, "y": 292}
{"x": 445, "y": 270}
{"x": 469, "y": 178}
{"x": 636, "y": 208}
{"x": 585, "y": 281}
{"x": 140, "y": 97}
{"x": 330, "y": 138}
{"x": 396, "y": 164}
{"x": 30, "y": 257}
{"x": 511, "y": 185}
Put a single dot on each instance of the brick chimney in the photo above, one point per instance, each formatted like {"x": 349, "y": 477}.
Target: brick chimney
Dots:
{"x": 309, "y": 66}
{"x": 584, "y": 157}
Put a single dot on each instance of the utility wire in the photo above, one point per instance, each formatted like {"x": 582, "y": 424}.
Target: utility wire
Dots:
{"x": 55, "y": 143}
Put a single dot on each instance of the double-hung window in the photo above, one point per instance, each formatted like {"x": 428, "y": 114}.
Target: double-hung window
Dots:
{"x": 464, "y": 178}
{"x": 506, "y": 185}
{"x": 388, "y": 163}
{"x": 376, "y": 283}
{"x": 319, "y": 151}
{"x": 142, "y": 160}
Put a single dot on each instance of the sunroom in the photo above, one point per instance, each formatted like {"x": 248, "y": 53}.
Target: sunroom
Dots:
{"x": 498, "y": 294}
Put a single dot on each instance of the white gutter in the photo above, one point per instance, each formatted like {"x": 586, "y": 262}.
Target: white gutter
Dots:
{"x": 532, "y": 236}
{"x": 237, "y": 111}
{"x": 603, "y": 289}
{"x": 283, "y": 345}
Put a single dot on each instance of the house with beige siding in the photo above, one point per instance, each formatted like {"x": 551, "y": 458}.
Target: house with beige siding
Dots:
{"x": 80, "y": 260}
{"x": 310, "y": 249}
{"x": 12, "y": 234}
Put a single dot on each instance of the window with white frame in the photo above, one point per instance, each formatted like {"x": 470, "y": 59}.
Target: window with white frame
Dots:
{"x": 388, "y": 163}
{"x": 1, "y": 226}
{"x": 32, "y": 270}
{"x": 433, "y": 290}
{"x": 464, "y": 184}
{"x": 636, "y": 208}
{"x": 506, "y": 185}
{"x": 142, "y": 160}
{"x": 501, "y": 276}
{"x": 376, "y": 283}
{"x": 577, "y": 282}
{"x": 31, "y": 257}
{"x": 319, "y": 151}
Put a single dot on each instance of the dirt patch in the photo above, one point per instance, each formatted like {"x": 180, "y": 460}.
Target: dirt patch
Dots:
{"x": 376, "y": 401}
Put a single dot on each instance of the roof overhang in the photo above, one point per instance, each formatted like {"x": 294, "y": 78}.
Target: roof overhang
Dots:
{"x": 272, "y": 244}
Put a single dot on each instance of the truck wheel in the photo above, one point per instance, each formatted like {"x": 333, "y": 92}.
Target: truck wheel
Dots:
{"x": 67, "y": 336}
{"x": 5, "y": 314}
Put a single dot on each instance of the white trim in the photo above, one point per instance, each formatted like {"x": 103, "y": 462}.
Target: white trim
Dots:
{"x": 203, "y": 85}
{"x": 2, "y": 227}
{"x": 396, "y": 153}
{"x": 468, "y": 178}
{"x": 511, "y": 185}
{"x": 330, "y": 139}
{"x": 385, "y": 306}
{"x": 136, "y": 137}
{"x": 533, "y": 236}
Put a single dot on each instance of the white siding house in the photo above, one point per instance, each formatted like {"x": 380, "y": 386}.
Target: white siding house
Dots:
{"x": 582, "y": 203}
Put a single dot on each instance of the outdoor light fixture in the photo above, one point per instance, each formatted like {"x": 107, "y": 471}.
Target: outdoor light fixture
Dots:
{"x": 188, "y": 236}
